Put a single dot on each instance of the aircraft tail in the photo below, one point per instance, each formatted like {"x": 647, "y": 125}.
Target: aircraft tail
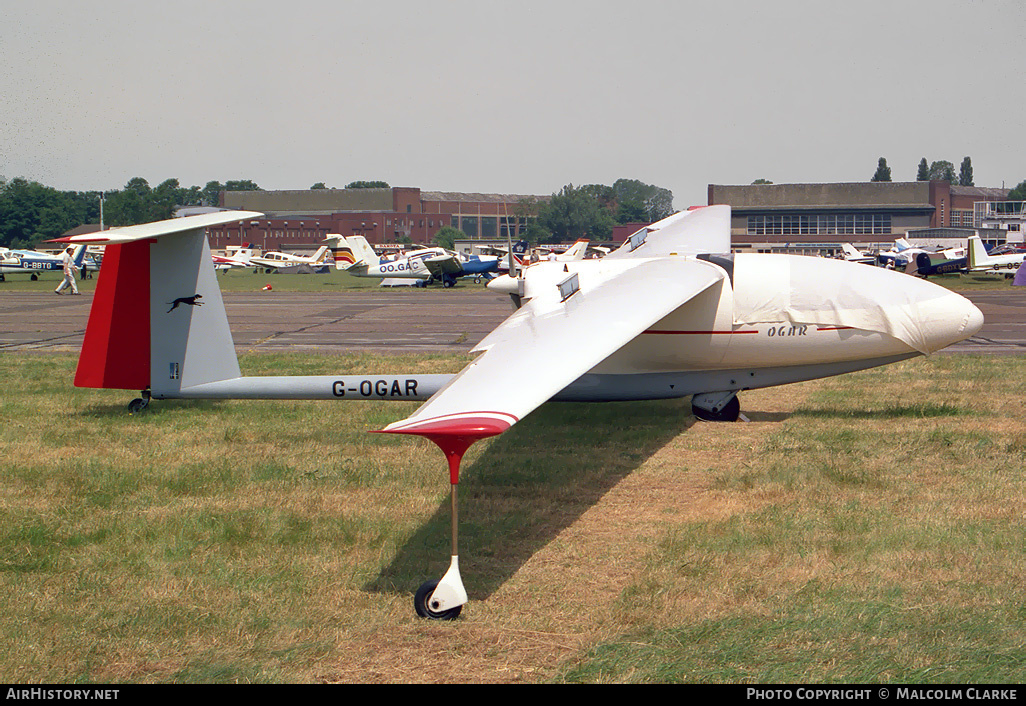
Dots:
{"x": 157, "y": 321}
{"x": 978, "y": 255}
{"x": 319, "y": 255}
{"x": 921, "y": 265}
{"x": 78, "y": 255}
{"x": 363, "y": 253}
{"x": 576, "y": 251}
{"x": 850, "y": 251}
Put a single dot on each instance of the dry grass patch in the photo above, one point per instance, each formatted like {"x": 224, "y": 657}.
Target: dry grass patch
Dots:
{"x": 862, "y": 528}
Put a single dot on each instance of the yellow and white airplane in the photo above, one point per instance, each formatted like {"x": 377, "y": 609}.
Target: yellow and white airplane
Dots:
{"x": 274, "y": 260}
{"x": 982, "y": 261}
{"x": 669, "y": 314}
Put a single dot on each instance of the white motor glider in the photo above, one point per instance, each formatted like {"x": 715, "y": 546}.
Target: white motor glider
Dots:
{"x": 669, "y": 314}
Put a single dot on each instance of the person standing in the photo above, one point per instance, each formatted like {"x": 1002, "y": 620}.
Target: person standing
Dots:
{"x": 69, "y": 272}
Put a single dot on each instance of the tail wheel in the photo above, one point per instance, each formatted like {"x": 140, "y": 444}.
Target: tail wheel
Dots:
{"x": 422, "y": 604}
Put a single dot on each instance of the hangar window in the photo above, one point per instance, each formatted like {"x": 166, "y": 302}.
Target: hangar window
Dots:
{"x": 820, "y": 224}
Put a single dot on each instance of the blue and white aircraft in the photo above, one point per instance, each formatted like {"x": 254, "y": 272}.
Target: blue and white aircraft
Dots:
{"x": 421, "y": 267}
{"x": 32, "y": 263}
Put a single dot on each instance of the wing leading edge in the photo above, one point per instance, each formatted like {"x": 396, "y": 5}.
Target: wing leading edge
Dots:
{"x": 555, "y": 338}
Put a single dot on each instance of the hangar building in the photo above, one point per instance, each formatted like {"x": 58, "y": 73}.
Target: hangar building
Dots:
{"x": 817, "y": 218}
{"x": 384, "y": 215}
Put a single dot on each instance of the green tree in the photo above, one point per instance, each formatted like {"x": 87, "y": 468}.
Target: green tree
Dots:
{"x": 574, "y": 213}
{"x": 163, "y": 200}
{"x": 762, "y": 181}
{"x": 212, "y": 193}
{"x": 367, "y": 185}
{"x": 31, "y": 213}
{"x": 318, "y": 185}
{"x": 923, "y": 173}
{"x": 1018, "y": 193}
{"x": 131, "y": 205}
{"x": 942, "y": 170}
{"x": 446, "y": 237}
{"x": 883, "y": 172}
{"x": 637, "y": 201}
{"x": 536, "y": 233}
{"x": 965, "y": 173}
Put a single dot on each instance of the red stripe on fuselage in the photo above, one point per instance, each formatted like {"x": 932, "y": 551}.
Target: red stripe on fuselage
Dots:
{"x": 696, "y": 333}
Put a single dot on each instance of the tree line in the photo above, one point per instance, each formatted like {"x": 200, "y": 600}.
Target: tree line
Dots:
{"x": 31, "y": 213}
{"x": 941, "y": 170}
{"x": 591, "y": 211}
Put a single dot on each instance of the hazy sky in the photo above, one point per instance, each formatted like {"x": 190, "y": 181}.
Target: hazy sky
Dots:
{"x": 515, "y": 97}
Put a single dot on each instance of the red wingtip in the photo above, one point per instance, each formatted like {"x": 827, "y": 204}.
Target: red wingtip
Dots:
{"x": 455, "y": 434}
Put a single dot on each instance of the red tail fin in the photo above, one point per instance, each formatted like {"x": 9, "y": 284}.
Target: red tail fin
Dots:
{"x": 116, "y": 350}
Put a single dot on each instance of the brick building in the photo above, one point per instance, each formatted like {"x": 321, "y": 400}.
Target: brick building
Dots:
{"x": 818, "y": 217}
{"x": 297, "y": 219}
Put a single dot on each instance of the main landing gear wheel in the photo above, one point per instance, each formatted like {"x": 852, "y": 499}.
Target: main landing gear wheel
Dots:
{"x": 730, "y": 412}
{"x": 140, "y": 403}
{"x": 422, "y": 604}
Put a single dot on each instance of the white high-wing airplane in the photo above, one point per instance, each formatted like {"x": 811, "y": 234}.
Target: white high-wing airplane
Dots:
{"x": 240, "y": 259}
{"x": 669, "y": 314}
{"x": 34, "y": 263}
{"x": 982, "y": 261}
{"x": 577, "y": 251}
{"x": 852, "y": 254}
{"x": 423, "y": 265}
{"x": 904, "y": 253}
{"x": 275, "y": 260}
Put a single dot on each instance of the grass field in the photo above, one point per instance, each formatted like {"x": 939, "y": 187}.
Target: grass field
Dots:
{"x": 863, "y": 528}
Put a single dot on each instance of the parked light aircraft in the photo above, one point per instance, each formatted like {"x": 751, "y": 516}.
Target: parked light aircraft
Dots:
{"x": 924, "y": 266}
{"x": 32, "y": 263}
{"x": 851, "y": 254}
{"x": 424, "y": 265}
{"x": 904, "y": 253}
{"x": 982, "y": 261}
{"x": 577, "y": 251}
{"x": 240, "y": 259}
{"x": 276, "y": 261}
{"x": 669, "y": 314}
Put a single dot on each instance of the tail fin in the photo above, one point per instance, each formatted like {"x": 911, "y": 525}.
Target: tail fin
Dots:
{"x": 922, "y": 265}
{"x": 575, "y": 251}
{"x": 319, "y": 255}
{"x": 158, "y": 320}
{"x": 341, "y": 253}
{"x": 362, "y": 251}
{"x": 79, "y": 254}
{"x": 978, "y": 256}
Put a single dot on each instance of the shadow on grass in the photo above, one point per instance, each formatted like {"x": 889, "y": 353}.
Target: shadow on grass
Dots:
{"x": 155, "y": 408}
{"x": 766, "y": 416}
{"x": 529, "y": 485}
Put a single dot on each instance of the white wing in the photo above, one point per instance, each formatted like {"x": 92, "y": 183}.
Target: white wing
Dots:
{"x": 701, "y": 230}
{"x": 554, "y": 339}
{"x": 130, "y": 234}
